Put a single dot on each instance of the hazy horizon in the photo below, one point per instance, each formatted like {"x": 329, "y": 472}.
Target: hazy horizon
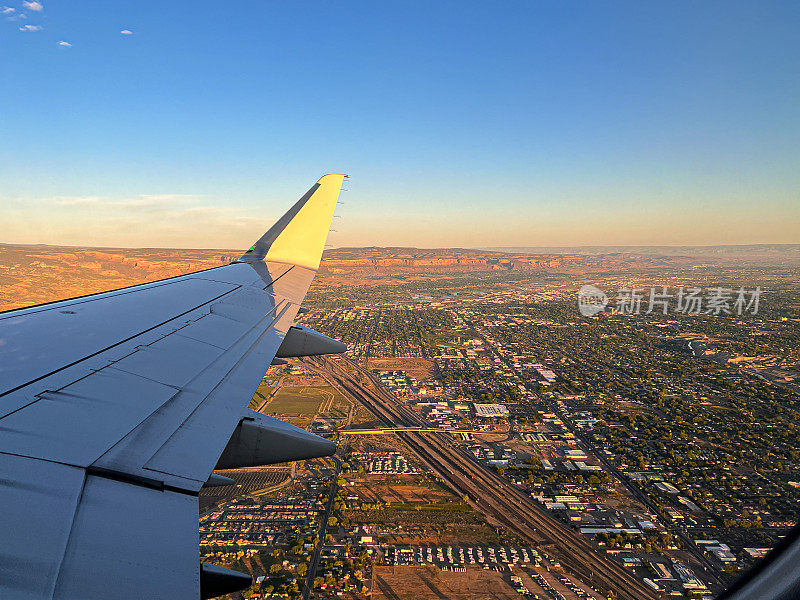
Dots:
{"x": 507, "y": 249}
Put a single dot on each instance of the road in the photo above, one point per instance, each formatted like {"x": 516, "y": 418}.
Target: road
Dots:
{"x": 489, "y": 493}
{"x": 710, "y": 569}
{"x": 323, "y": 525}
{"x": 688, "y": 544}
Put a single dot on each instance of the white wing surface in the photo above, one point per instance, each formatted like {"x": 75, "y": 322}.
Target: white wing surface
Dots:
{"x": 115, "y": 408}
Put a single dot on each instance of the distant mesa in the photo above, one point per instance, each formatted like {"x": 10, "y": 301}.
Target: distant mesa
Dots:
{"x": 471, "y": 260}
{"x": 33, "y": 274}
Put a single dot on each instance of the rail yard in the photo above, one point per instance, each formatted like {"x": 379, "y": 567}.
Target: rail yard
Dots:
{"x": 489, "y": 493}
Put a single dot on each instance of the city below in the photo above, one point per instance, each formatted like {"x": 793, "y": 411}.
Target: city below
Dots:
{"x": 494, "y": 439}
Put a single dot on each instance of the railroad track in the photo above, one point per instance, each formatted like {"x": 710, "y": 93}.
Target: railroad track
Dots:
{"x": 490, "y": 493}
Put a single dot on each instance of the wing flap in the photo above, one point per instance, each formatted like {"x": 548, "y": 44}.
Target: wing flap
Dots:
{"x": 118, "y": 549}
{"x": 189, "y": 449}
{"x": 32, "y": 549}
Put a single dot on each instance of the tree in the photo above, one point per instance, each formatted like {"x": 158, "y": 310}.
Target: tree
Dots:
{"x": 302, "y": 569}
{"x": 730, "y": 568}
{"x": 275, "y": 568}
{"x": 249, "y": 592}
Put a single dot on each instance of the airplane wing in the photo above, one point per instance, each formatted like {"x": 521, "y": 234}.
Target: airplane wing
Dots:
{"x": 115, "y": 408}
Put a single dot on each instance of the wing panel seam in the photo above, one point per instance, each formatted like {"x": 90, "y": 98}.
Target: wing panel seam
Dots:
{"x": 128, "y": 339}
{"x": 223, "y": 380}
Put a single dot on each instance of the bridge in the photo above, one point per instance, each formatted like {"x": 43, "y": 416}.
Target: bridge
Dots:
{"x": 386, "y": 430}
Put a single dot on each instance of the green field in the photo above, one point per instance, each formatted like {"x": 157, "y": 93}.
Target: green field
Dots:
{"x": 340, "y": 406}
{"x": 363, "y": 417}
{"x": 300, "y": 404}
{"x": 303, "y": 401}
{"x": 265, "y": 389}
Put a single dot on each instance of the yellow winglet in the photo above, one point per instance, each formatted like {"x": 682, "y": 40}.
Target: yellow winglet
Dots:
{"x": 298, "y": 237}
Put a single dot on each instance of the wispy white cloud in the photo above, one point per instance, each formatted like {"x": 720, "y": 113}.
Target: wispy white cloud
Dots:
{"x": 7, "y": 10}
{"x": 34, "y": 5}
{"x": 141, "y": 220}
{"x": 141, "y": 202}
{"x": 31, "y": 28}
{"x": 71, "y": 200}
{"x": 126, "y": 32}
{"x": 65, "y": 44}
{"x": 168, "y": 197}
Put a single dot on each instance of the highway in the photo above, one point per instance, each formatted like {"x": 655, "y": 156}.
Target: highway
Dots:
{"x": 489, "y": 493}
{"x": 386, "y": 430}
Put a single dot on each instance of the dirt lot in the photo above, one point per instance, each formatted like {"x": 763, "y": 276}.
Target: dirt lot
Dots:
{"x": 379, "y": 443}
{"x": 364, "y": 419}
{"x": 429, "y": 583}
{"x": 419, "y": 511}
{"x": 555, "y": 581}
{"x": 399, "y": 488}
{"x": 420, "y": 368}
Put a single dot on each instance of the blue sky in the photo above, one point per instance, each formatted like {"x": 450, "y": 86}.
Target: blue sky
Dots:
{"x": 461, "y": 124}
